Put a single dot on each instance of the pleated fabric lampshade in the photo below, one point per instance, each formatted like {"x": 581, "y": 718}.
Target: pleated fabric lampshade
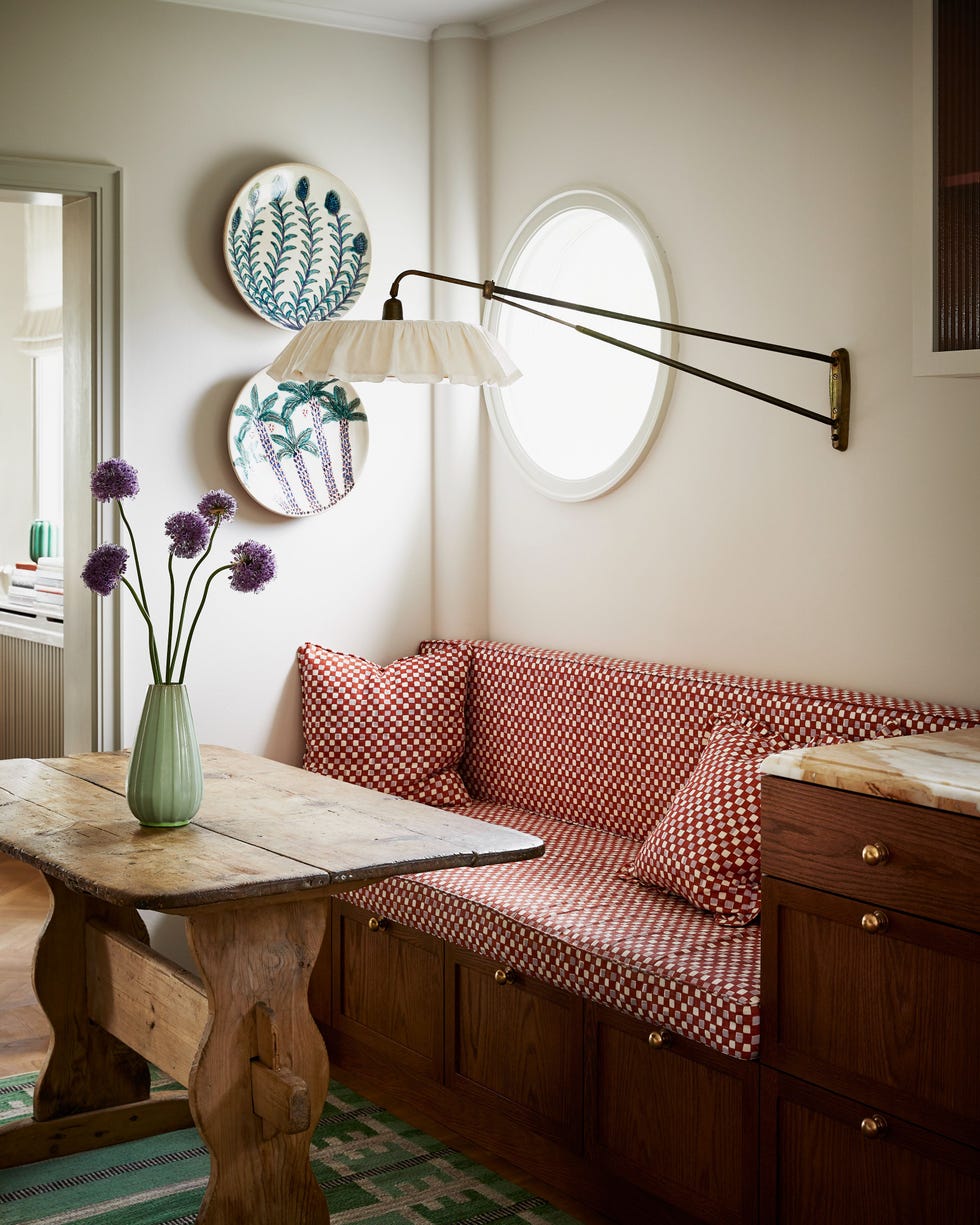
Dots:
{"x": 410, "y": 350}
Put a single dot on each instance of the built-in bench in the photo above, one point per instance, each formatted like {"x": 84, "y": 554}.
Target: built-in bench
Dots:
{"x": 599, "y": 1029}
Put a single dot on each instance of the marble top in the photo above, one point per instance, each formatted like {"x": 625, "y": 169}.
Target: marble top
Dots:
{"x": 938, "y": 770}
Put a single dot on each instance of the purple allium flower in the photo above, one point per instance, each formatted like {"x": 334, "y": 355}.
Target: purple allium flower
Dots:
{"x": 105, "y": 567}
{"x": 253, "y": 565}
{"x": 189, "y": 532}
{"x": 217, "y": 506}
{"x": 114, "y": 478}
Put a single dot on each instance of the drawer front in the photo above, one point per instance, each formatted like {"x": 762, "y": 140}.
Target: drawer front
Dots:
{"x": 515, "y": 1045}
{"x": 388, "y": 988}
{"x": 822, "y": 1164}
{"x": 889, "y": 1014}
{"x": 928, "y": 862}
{"x": 676, "y": 1119}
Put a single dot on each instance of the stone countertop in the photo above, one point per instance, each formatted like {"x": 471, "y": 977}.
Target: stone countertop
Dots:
{"x": 938, "y": 770}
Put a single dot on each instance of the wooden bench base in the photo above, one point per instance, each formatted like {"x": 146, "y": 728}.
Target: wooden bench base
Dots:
{"x": 575, "y": 1094}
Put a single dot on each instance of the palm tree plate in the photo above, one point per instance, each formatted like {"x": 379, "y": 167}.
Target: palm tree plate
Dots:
{"x": 296, "y": 245}
{"x": 298, "y": 448}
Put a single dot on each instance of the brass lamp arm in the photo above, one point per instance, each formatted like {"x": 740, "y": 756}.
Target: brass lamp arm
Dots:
{"x": 840, "y": 379}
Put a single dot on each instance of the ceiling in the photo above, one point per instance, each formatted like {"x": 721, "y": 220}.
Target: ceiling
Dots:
{"x": 405, "y": 18}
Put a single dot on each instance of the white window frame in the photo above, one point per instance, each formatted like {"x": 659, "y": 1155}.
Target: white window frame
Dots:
{"x": 578, "y": 490}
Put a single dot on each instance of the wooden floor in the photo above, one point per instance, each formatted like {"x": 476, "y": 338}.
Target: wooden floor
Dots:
{"x": 24, "y": 1030}
{"x": 23, "y": 908}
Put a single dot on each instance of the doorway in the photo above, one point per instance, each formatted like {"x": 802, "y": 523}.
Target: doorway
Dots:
{"x": 87, "y": 196}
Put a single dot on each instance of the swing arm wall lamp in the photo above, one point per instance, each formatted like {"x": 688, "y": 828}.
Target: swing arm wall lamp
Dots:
{"x": 430, "y": 351}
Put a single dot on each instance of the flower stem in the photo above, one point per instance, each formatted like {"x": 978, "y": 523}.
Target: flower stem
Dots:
{"x": 136, "y": 557}
{"x": 197, "y": 617}
{"x": 170, "y": 619}
{"x": 154, "y": 658}
{"x": 142, "y": 603}
{"x": 172, "y": 663}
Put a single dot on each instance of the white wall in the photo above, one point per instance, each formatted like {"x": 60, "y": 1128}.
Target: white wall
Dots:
{"x": 191, "y": 102}
{"x": 16, "y": 407}
{"x": 775, "y": 163}
{"x": 770, "y": 147}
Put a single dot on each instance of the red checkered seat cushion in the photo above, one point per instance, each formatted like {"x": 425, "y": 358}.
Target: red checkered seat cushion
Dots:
{"x": 573, "y": 920}
{"x": 398, "y": 729}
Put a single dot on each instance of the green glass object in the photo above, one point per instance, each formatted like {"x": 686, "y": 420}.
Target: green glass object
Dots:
{"x": 40, "y": 545}
{"x": 165, "y": 783}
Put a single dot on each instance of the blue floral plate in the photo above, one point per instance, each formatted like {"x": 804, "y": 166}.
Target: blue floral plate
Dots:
{"x": 297, "y": 245}
{"x": 298, "y": 448}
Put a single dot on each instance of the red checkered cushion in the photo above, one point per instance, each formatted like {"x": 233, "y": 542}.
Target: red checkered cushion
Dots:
{"x": 607, "y": 742}
{"x": 398, "y": 729}
{"x": 706, "y": 848}
{"x": 572, "y": 920}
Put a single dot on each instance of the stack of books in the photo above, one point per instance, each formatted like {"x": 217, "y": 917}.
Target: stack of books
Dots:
{"x": 49, "y": 582}
{"x": 22, "y": 583}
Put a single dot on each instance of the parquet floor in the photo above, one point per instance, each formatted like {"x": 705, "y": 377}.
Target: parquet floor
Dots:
{"x": 23, "y": 908}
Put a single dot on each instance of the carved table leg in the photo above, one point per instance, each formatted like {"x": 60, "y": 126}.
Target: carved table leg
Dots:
{"x": 261, "y": 1075}
{"x": 86, "y": 1068}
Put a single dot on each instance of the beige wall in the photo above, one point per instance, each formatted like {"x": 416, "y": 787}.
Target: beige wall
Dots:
{"x": 773, "y": 160}
{"x": 16, "y": 408}
{"x": 191, "y": 102}
{"x": 770, "y": 147}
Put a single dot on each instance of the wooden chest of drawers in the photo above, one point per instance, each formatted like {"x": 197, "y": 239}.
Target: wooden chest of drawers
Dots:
{"x": 871, "y": 1009}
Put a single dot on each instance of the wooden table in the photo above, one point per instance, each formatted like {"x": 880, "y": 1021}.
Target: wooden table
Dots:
{"x": 253, "y": 874}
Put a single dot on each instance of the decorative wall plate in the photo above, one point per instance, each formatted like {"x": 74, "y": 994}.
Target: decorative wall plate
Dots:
{"x": 298, "y": 448}
{"x": 297, "y": 245}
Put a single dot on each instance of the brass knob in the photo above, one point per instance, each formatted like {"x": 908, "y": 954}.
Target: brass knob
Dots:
{"x": 503, "y": 977}
{"x": 874, "y": 921}
{"x": 377, "y": 925}
{"x": 874, "y": 1125}
{"x": 659, "y": 1038}
{"x": 875, "y": 853}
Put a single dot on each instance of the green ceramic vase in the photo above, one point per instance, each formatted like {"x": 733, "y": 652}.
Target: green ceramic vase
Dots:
{"x": 165, "y": 783}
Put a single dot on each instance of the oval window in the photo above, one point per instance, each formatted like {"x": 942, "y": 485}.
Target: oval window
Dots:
{"x": 584, "y": 413}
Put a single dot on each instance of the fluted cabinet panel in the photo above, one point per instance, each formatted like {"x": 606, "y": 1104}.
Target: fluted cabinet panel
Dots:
{"x": 31, "y": 698}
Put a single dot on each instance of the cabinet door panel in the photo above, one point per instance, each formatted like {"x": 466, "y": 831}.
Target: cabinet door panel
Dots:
{"x": 820, "y": 1166}
{"x": 889, "y": 1015}
{"x": 516, "y": 1045}
{"x": 388, "y": 988}
{"x": 679, "y": 1121}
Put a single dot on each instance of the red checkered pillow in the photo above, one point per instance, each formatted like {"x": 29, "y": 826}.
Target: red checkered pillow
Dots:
{"x": 706, "y": 847}
{"x": 398, "y": 729}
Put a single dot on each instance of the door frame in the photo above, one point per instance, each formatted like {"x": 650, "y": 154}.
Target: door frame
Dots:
{"x": 92, "y": 642}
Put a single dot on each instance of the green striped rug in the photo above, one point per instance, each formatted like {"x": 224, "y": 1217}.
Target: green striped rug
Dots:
{"x": 374, "y": 1170}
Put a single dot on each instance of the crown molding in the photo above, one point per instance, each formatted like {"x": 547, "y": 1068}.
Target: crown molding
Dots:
{"x": 316, "y": 12}
{"x": 459, "y": 29}
{"x": 318, "y": 15}
{"x": 534, "y": 15}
